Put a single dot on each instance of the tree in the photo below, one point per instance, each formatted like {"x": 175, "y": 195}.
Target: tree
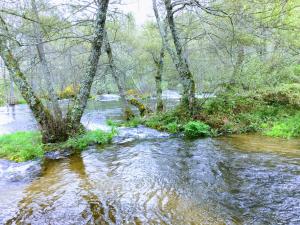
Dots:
{"x": 187, "y": 80}
{"x": 45, "y": 67}
{"x": 126, "y": 109}
{"x": 56, "y": 130}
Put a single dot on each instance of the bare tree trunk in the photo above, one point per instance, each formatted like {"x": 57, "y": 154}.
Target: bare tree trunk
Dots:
{"x": 74, "y": 115}
{"x": 126, "y": 109}
{"x": 51, "y": 131}
{"x": 5, "y": 83}
{"x": 12, "y": 97}
{"x": 158, "y": 79}
{"x": 162, "y": 27}
{"x": 237, "y": 67}
{"x": 42, "y": 56}
{"x": 182, "y": 66}
{"x": 178, "y": 58}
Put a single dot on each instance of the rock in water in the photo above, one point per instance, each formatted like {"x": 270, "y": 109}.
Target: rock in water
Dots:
{"x": 129, "y": 134}
{"x": 17, "y": 172}
{"x": 108, "y": 97}
{"x": 170, "y": 94}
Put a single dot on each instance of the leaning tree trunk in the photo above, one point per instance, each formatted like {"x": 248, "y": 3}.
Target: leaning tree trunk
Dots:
{"x": 127, "y": 110}
{"x": 52, "y": 131}
{"x": 45, "y": 67}
{"x": 74, "y": 114}
{"x": 237, "y": 67}
{"x": 49, "y": 128}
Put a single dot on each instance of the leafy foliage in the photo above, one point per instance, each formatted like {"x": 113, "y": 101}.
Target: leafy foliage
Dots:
{"x": 194, "y": 129}
{"x": 69, "y": 92}
{"x": 286, "y": 128}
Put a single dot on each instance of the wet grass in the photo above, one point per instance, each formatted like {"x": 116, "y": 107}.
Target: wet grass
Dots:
{"x": 273, "y": 113}
{"x": 24, "y": 146}
{"x": 21, "y": 146}
{"x": 286, "y": 128}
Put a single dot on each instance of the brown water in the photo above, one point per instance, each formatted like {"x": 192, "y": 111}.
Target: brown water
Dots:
{"x": 234, "y": 180}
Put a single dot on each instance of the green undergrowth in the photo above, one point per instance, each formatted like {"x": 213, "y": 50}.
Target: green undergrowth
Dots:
{"x": 286, "y": 128}
{"x": 273, "y": 112}
{"x": 23, "y": 146}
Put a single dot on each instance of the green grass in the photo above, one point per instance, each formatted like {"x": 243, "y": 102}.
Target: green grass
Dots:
{"x": 271, "y": 112}
{"x": 23, "y": 146}
{"x": 96, "y": 137}
{"x": 286, "y": 128}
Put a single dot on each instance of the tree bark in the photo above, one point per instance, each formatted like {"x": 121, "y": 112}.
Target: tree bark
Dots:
{"x": 46, "y": 70}
{"x": 5, "y": 83}
{"x": 144, "y": 110}
{"x": 186, "y": 77}
{"x": 12, "y": 97}
{"x": 158, "y": 79}
{"x": 128, "y": 114}
{"x": 52, "y": 131}
{"x": 237, "y": 67}
{"x": 74, "y": 114}
{"x": 182, "y": 66}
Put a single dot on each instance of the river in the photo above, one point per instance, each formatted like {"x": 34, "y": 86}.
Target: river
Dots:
{"x": 148, "y": 177}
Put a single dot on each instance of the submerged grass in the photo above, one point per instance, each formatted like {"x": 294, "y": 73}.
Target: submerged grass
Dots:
{"x": 23, "y": 146}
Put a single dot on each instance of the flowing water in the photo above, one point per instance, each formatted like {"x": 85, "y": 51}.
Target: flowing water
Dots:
{"x": 156, "y": 179}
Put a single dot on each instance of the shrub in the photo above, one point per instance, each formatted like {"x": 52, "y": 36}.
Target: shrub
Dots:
{"x": 287, "y": 94}
{"x": 69, "y": 92}
{"x": 21, "y": 146}
{"x": 173, "y": 127}
{"x": 287, "y": 128}
{"x": 194, "y": 129}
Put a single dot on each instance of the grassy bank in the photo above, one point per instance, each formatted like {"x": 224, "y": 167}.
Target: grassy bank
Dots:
{"x": 270, "y": 112}
{"x": 23, "y": 146}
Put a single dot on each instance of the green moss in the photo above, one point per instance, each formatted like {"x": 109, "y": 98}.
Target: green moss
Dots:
{"x": 21, "y": 146}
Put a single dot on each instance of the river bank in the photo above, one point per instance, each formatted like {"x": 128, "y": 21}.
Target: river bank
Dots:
{"x": 272, "y": 113}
